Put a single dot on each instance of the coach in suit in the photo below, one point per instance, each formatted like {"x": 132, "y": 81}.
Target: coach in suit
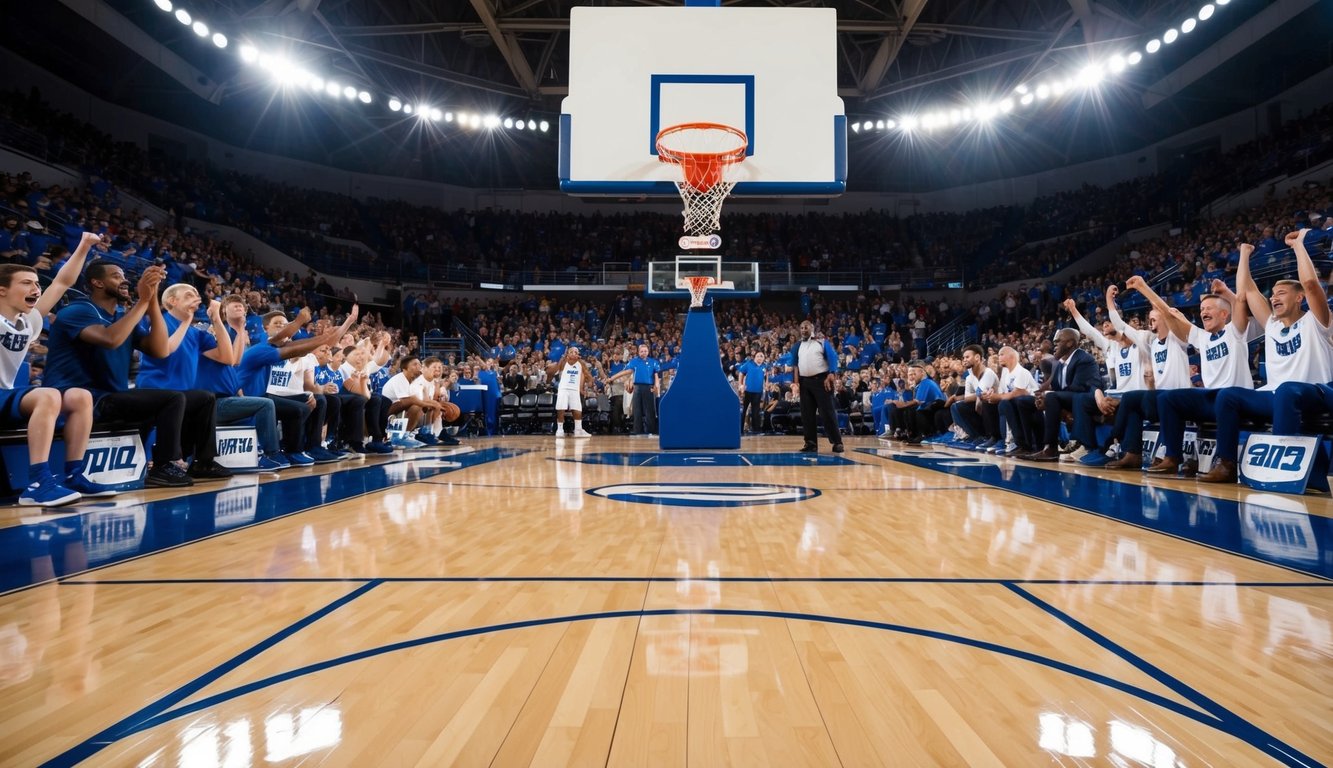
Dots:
{"x": 816, "y": 363}
{"x": 1074, "y": 372}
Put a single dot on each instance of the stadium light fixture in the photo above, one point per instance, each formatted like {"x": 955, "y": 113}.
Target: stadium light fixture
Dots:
{"x": 909, "y": 123}
{"x": 1022, "y": 88}
{"x": 363, "y": 97}
{"x": 163, "y": 5}
{"x": 1187, "y": 26}
{"x": 474, "y": 121}
{"x": 332, "y": 88}
{"x": 879, "y": 125}
{"x": 1221, "y": 2}
{"x": 532, "y": 125}
{"x": 890, "y": 124}
{"x": 1134, "y": 58}
{"x": 509, "y": 122}
{"x": 220, "y": 40}
{"x": 1059, "y": 87}
{"x": 448, "y": 117}
{"x": 183, "y": 16}
{"x": 519, "y": 125}
{"x": 1043, "y": 91}
{"x": 423, "y": 111}
{"x": 395, "y": 105}
{"x": 316, "y": 83}
{"x": 1007, "y": 105}
{"x": 436, "y": 115}
{"x": 349, "y": 92}
{"x": 1170, "y": 36}
{"x": 248, "y": 54}
{"x": 1090, "y": 76}
{"x": 200, "y": 29}
{"x": 407, "y": 109}
{"x": 1206, "y": 12}
{"x": 856, "y": 127}
{"x": 545, "y": 126}
{"x": 1116, "y": 63}
{"x": 1026, "y": 100}
{"x": 1154, "y": 45}
{"x": 492, "y": 121}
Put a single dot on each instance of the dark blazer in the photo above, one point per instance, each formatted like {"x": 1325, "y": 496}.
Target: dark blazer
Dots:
{"x": 1081, "y": 374}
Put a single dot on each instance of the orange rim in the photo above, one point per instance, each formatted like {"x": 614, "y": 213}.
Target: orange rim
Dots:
{"x": 702, "y": 170}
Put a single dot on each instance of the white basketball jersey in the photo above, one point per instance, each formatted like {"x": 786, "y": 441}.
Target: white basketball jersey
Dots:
{"x": 986, "y": 384}
{"x": 15, "y": 339}
{"x": 1170, "y": 363}
{"x": 570, "y": 377}
{"x": 1300, "y": 352}
{"x": 1126, "y": 366}
{"x": 1223, "y": 357}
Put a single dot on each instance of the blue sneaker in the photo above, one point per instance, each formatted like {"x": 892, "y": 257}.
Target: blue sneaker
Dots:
{"x": 1001, "y": 450}
{"x": 299, "y": 459}
{"x": 407, "y": 443}
{"x": 87, "y": 488}
{"x": 277, "y": 458}
{"x": 987, "y": 444}
{"x": 47, "y": 492}
{"x": 1095, "y": 459}
{"x": 427, "y": 438}
{"x": 376, "y": 446}
{"x": 321, "y": 456}
{"x": 269, "y": 465}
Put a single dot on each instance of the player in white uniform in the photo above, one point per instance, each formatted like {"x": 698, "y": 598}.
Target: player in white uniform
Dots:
{"x": 1120, "y": 354}
{"x": 969, "y": 411}
{"x": 1171, "y": 370}
{"x": 571, "y": 376}
{"x": 23, "y": 308}
{"x": 1015, "y": 382}
{"x": 1223, "y": 344}
{"x": 1298, "y": 355}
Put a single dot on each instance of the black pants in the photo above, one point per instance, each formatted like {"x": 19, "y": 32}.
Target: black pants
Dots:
{"x": 301, "y": 425}
{"x": 644, "y": 409}
{"x": 377, "y": 416}
{"x": 751, "y": 405}
{"x": 617, "y": 414}
{"x": 815, "y": 397}
{"x": 347, "y": 417}
{"x": 186, "y": 422}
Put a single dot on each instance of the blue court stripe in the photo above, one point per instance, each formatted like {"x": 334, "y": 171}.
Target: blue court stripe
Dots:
{"x": 1094, "y": 677}
{"x": 1234, "y": 724}
{"x": 717, "y": 579}
{"x": 134, "y": 722}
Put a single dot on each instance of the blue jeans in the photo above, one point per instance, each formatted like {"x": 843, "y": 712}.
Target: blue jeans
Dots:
{"x": 233, "y": 410}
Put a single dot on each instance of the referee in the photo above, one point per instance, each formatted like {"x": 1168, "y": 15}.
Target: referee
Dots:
{"x": 816, "y": 366}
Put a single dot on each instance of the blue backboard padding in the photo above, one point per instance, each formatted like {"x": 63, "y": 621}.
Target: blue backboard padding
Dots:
{"x": 700, "y": 410}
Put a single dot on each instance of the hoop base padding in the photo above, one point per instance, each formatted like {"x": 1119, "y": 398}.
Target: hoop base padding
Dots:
{"x": 700, "y": 410}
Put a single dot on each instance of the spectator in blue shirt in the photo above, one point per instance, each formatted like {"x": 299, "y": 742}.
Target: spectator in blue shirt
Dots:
{"x": 753, "y": 373}
{"x": 647, "y": 374}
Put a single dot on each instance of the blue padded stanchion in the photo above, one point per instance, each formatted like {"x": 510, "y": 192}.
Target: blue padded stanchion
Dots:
{"x": 700, "y": 410}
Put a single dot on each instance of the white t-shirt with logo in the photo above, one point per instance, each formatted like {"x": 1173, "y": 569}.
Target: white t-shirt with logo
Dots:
{"x": 287, "y": 378}
{"x": 1223, "y": 357}
{"x": 1018, "y": 378}
{"x": 1299, "y": 352}
{"x": 15, "y": 340}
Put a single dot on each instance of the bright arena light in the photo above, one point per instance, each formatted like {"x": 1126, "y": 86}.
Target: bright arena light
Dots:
{"x": 1153, "y": 46}
{"x": 363, "y": 97}
{"x": 879, "y": 125}
{"x": 220, "y": 40}
{"x": 1026, "y": 100}
{"x": 868, "y": 125}
{"x": 1206, "y": 12}
{"x": 545, "y": 126}
{"x": 200, "y": 29}
{"x": 183, "y": 16}
{"x": 492, "y": 121}
{"x": 1135, "y": 58}
{"x": 435, "y": 114}
{"x": 1059, "y": 87}
{"x": 890, "y": 124}
{"x": 1043, "y": 91}
{"x": 332, "y": 88}
{"x": 349, "y": 92}
{"x": 395, "y": 105}
{"x": 316, "y": 83}
{"x": 448, "y": 117}
{"x": 1117, "y": 63}
{"x": 248, "y": 54}
{"x": 1170, "y": 36}
{"x": 532, "y": 125}
{"x": 1008, "y": 104}
{"x": 509, "y": 122}
{"x": 955, "y": 117}
{"x": 519, "y": 125}
{"x": 1221, "y": 2}
{"x": 1021, "y": 88}
{"x": 474, "y": 121}
{"x": 407, "y": 109}
{"x": 1090, "y": 76}
{"x": 1188, "y": 25}
{"x": 164, "y": 5}
{"x": 909, "y": 123}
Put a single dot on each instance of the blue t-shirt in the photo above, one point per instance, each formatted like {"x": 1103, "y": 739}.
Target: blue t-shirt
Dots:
{"x": 255, "y": 365}
{"x": 754, "y": 375}
{"x": 71, "y": 362}
{"x": 179, "y": 369}
{"x": 645, "y": 368}
{"x": 221, "y": 380}
{"x": 927, "y": 391}
{"x": 378, "y": 379}
{"x": 326, "y": 375}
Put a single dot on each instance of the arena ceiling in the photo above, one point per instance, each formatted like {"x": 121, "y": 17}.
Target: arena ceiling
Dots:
{"x": 510, "y": 57}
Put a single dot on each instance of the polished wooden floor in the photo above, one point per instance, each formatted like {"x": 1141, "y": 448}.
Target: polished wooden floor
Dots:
{"x": 497, "y": 613}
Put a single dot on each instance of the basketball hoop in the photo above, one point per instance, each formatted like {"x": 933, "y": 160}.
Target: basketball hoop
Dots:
{"x": 707, "y": 154}
{"x": 698, "y": 285}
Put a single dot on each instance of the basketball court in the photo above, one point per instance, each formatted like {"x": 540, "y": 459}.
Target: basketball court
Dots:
{"x": 525, "y": 602}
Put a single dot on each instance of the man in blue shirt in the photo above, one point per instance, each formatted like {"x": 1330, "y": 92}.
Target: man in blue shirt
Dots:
{"x": 753, "y": 373}
{"x": 647, "y": 385}
{"x": 92, "y": 345}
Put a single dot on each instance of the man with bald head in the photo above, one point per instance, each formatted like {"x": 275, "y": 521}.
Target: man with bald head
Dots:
{"x": 1074, "y": 372}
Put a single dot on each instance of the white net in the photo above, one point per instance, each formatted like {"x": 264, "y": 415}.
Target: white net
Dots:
{"x": 698, "y": 289}
{"x": 703, "y": 209}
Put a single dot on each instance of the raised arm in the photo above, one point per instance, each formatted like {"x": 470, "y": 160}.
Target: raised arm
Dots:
{"x": 291, "y": 328}
{"x": 1240, "y": 313}
{"x": 112, "y": 336}
{"x": 1254, "y": 299}
{"x": 68, "y": 274}
{"x": 1084, "y": 326}
{"x": 223, "y": 353}
{"x": 1118, "y": 322}
{"x": 1174, "y": 320}
{"x": 305, "y": 346}
{"x": 1315, "y": 296}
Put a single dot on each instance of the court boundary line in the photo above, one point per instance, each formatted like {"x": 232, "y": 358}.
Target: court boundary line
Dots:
{"x": 257, "y": 523}
{"x": 1249, "y": 734}
{"x": 131, "y": 723}
{"x": 433, "y": 481}
{"x": 1240, "y": 727}
{"x": 1104, "y": 516}
{"x": 720, "y": 579}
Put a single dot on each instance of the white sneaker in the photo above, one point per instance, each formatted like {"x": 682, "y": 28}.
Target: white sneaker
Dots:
{"x": 560, "y": 433}
{"x": 1076, "y": 454}
{"x": 582, "y": 433}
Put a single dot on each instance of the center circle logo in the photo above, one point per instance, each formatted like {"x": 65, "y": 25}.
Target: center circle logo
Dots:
{"x": 704, "y": 494}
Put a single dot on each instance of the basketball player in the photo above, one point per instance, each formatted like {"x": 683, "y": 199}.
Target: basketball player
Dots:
{"x": 1015, "y": 382}
{"x": 23, "y": 306}
{"x": 1297, "y": 349}
{"x": 816, "y": 363}
{"x": 981, "y": 423}
{"x": 571, "y": 379}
